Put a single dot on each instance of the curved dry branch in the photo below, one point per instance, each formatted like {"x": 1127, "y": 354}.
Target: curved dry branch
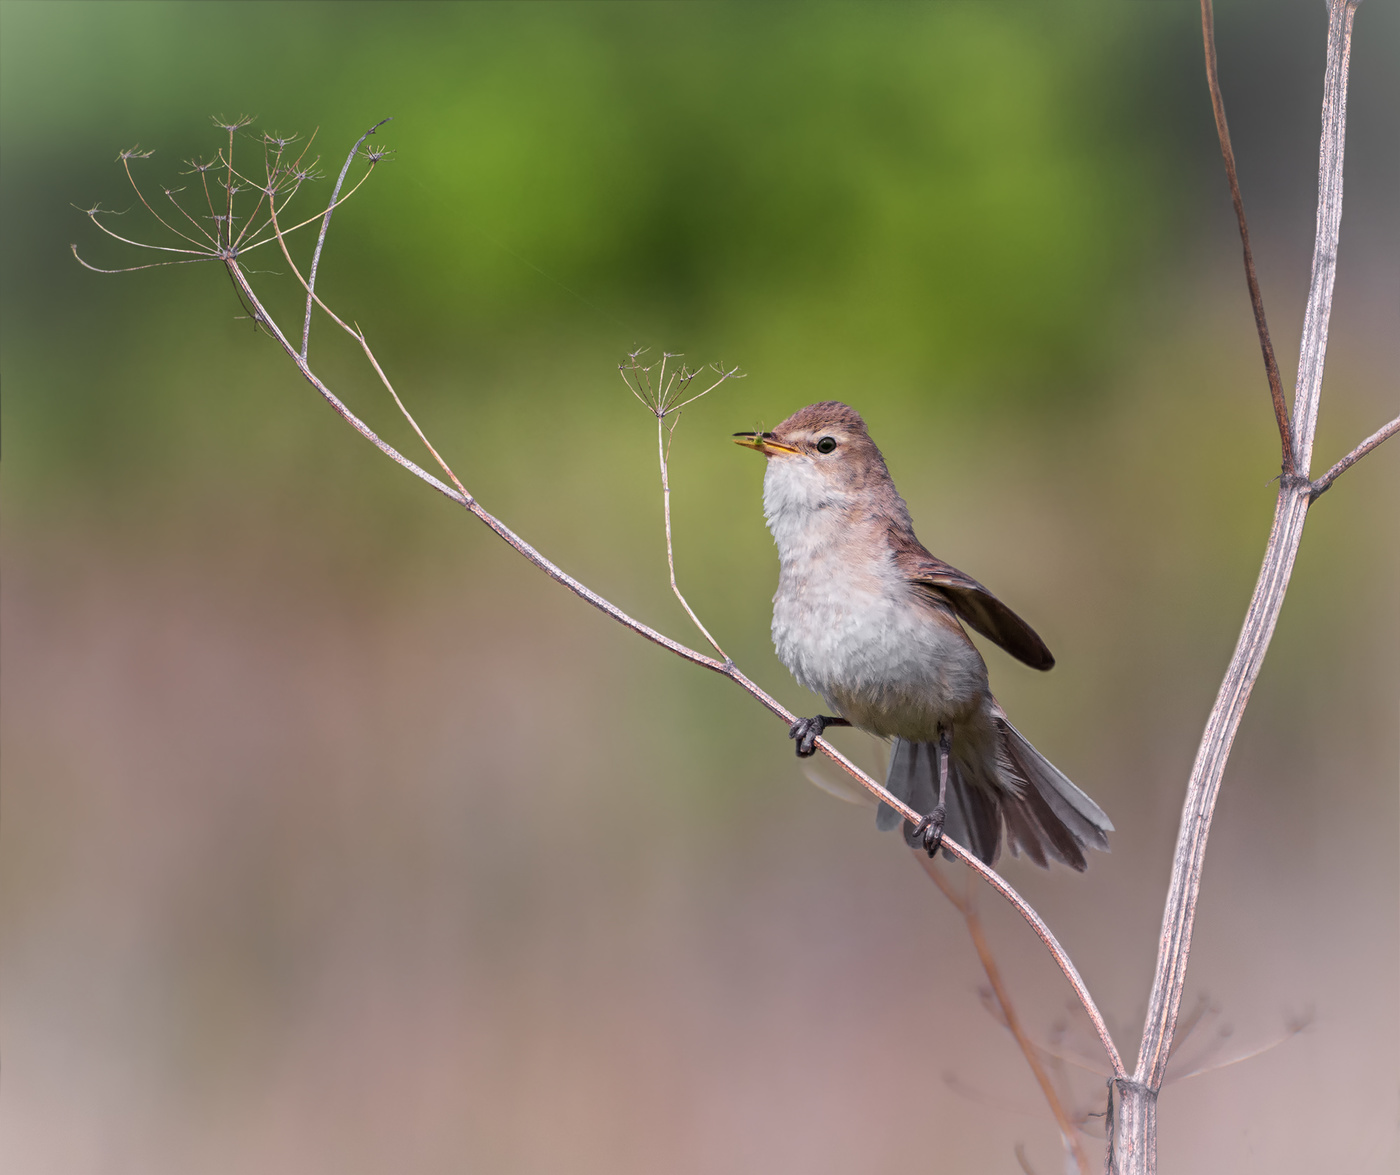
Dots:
{"x": 125, "y": 158}
{"x": 1324, "y": 483}
{"x": 93, "y": 213}
{"x": 78, "y": 257}
{"x": 325, "y": 227}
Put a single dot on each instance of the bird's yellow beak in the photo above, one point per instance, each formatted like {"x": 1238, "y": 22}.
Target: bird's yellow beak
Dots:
{"x": 762, "y": 442}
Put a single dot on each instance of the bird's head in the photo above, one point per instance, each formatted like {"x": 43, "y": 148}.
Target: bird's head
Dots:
{"x": 828, "y": 440}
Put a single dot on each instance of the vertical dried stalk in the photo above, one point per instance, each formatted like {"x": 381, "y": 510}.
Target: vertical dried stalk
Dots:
{"x": 1136, "y": 1125}
{"x": 665, "y": 397}
{"x": 661, "y": 448}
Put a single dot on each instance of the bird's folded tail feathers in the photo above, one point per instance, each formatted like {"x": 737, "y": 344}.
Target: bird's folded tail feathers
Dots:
{"x": 1046, "y": 816}
{"x": 1071, "y": 807}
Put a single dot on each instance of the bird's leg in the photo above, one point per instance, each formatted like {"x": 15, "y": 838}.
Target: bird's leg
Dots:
{"x": 807, "y": 730}
{"x": 929, "y": 830}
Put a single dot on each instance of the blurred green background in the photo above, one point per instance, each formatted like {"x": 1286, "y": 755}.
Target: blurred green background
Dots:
{"x": 336, "y": 838}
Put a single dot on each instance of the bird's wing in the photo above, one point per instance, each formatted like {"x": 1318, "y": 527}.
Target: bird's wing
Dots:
{"x": 974, "y": 605}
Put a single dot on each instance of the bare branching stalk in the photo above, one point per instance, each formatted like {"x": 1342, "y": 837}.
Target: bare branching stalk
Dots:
{"x": 662, "y": 449}
{"x": 664, "y": 397}
{"x": 1133, "y": 1134}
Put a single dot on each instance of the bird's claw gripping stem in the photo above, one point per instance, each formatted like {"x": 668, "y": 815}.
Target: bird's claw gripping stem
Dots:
{"x": 928, "y": 832}
{"x": 807, "y": 730}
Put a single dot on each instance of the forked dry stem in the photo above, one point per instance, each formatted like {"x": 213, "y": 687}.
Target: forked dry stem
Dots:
{"x": 664, "y": 397}
{"x": 663, "y": 456}
{"x": 1133, "y": 1124}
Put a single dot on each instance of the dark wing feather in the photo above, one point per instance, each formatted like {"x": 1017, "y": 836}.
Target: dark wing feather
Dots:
{"x": 975, "y": 606}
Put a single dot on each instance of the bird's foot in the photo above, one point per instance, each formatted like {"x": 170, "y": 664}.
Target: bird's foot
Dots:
{"x": 928, "y": 832}
{"x": 806, "y": 731}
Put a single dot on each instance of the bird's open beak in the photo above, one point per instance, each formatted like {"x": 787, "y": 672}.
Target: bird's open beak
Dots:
{"x": 762, "y": 442}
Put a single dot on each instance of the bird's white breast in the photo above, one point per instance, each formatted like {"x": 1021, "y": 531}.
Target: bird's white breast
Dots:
{"x": 848, "y": 624}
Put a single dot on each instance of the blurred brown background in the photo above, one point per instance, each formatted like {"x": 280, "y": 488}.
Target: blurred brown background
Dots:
{"x": 337, "y": 839}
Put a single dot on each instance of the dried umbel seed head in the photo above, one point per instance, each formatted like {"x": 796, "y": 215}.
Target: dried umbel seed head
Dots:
{"x": 215, "y": 220}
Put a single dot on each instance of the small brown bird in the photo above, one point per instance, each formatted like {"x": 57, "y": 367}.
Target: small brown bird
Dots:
{"x": 868, "y": 619}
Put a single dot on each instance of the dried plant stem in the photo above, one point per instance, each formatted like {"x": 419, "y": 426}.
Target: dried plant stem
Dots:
{"x": 1322, "y": 484}
{"x": 1051, "y": 943}
{"x": 663, "y": 457}
{"x": 1256, "y": 299}
{"x": 1135, "y": 1135}
{"x": 359, "y": 336}
{"x": 966, "y": 905}
{"x": 321, "y": 239}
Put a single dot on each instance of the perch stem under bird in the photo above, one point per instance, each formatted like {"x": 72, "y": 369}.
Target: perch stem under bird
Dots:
{"x": 868, "y": 619}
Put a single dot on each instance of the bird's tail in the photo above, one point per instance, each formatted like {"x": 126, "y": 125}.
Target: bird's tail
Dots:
{"x": 1045, "y": 815}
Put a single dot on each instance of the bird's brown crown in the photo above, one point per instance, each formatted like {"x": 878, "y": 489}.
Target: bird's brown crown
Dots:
{"x": 829, "y": 416}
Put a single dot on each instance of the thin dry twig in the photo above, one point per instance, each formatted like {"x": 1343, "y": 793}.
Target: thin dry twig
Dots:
{"x": 1324, "y": 483}
{"x": 1256, "y": 299}
{"x": 665, "y": 397}
{"x": 325, "y": 227}
{"x": 359, "y": 335}
{"x": 966, "y": 905}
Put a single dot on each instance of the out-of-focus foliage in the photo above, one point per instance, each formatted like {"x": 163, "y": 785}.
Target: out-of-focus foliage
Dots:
{"x": 935, "y": 197}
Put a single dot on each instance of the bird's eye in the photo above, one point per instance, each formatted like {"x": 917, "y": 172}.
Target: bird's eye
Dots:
{"x": 826, "y": 444}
